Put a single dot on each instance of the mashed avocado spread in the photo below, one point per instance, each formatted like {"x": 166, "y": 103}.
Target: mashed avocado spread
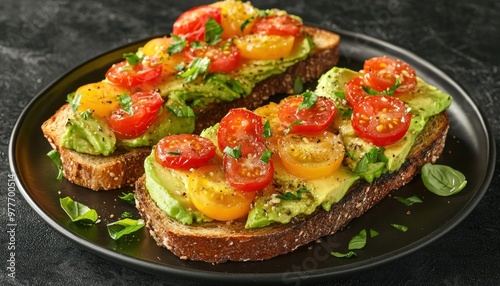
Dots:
{"x": 91, "y": 135}
{"x": 168, "y": 187}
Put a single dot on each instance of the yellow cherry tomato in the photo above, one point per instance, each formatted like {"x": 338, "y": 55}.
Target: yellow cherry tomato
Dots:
{"x": 158, "y": 47}
{"x": 311, "y": 156}
{"x": 212, "y": 195}
{"x": 100, "y": 97}
{"x": 269, "y": 113}
{"x": 265, "y": 47}
{"x": 234, "y": 14}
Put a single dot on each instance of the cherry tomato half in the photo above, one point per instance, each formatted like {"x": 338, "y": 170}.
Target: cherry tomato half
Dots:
{"x": 223, "y": 58}
{"x": 306, "y": 120}
{"x": 249, "y": 172}
{"x": 381, "y": 74}
{"x": 354, "y": 91}
{"x": 184, "y": 151}
{"x": 234, "y": 14}
{"x": 130, "y": 76}
{"x": 311, "y": 156}
{"x": 239, "y": 125}
{"x": 100, "y": 98}
{"x": 264, "y": 47}
{"x": 145, "y": 107}
{"x": 279, "y": 25}
{"x": 382, "y": 120}
{"x": 191, "y": 24}
{"x": 214, "y": 197}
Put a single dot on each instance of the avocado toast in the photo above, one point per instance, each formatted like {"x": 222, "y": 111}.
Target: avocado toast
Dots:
{"x": 102, "y": 149}
{"x": 295, "y": 209}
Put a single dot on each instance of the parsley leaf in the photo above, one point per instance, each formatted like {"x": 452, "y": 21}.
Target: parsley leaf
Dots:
{"x": 213, "y": 32}
{"x": 289, "y": 196}
{"x": 233, "y": 152}
{"x": 126, "y": 103}
{"x": 177, "y": 45}
{"x": 266, "y": 156}
{"x": 310, "y": 98}
{"x": 132, "y": 58}
{"x": 196, "y": 67}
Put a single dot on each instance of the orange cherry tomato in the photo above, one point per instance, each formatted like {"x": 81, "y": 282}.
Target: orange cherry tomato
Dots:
{"x": 101, "y": 98}
{"x": 234, "y": 14}
{"x": 184, "y": 151}
{"x": 311, "y": 156}
{"x": 158, "y": 48}
{"x": 265, "y": 47}
{"x": 214, "y": 197}
{"x": 382, "y": 120}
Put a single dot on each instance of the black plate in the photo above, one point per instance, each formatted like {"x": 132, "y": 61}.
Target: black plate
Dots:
{"x": 469, "y": 148}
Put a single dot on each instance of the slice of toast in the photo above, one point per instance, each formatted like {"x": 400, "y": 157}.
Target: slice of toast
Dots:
{"x": 125, "y": 166}
{"x": 217, "y": 242}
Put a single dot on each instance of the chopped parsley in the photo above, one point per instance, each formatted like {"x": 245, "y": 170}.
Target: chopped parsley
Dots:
{"x": 177, "y": 45}
{"x": 266, "y": 156}
{"x": 289, "y": 196}
{"x": 132, "y": 58}
{"x": 233, "y": 152}
{"x": 196, "y": 67}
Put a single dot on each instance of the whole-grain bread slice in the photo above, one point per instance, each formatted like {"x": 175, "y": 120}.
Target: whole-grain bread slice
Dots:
{"x": 125, "y": 166}
{"x": 217, "y": 242}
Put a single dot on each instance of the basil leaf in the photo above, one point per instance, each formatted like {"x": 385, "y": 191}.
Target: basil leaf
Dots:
{"x": 126, "y": 103}
{"x": 347, "y": 113}
{"x": 393, "y": 88}
{"x": 123, "y": 227}
{"x": 127, "y": 197}
{"x": 233, "y": 152}
{"x": 185, "y": 111}
{"x": 373, "y": 233}
{"x": 289, "y": 196}
{"x": 126, "y": 215}
{"x": 213, "y": 32}
{"x": 399, "y": 227}
{"x": 442, "y": 180}
{"x": 298, "y": 85}
{"x": 370, "y": 90}
{"x": 339, "y": 94}
{"x": 132, "y": 58}
{"x": 56, "y": 158}
{"x": 75, "y": 101}
{"x": 344, "y": 255}
{"x": 372, "y": 165}
{"x": 409, "y": 201}
{"x": 267, "y": 130}
{"x": 174, "y": 153}
{"x": 358, "y": 241}
{"x": 196, "y": 67}
{"x": 287, "y": 130}
{"x": 310, "y": 98}
{"x": 78, "y": 212}
{"x": 196, "y": 45}
{"x": 177, "y": 45}
{"x": 266, "y": 156}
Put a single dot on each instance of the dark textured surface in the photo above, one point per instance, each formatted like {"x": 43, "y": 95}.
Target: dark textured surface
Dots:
{"x": 40, "y": 40}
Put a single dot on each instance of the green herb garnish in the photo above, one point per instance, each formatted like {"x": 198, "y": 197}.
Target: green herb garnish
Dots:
{"x": 409, "y": 201}
{"x": 339, "y": 94}
{"x": 266, "y": 156}
{"x": 233, "y": 152}
{"x": 175, "y": 153}
{"x": 185, "y": 111}
{"x": 399, "y": 227}
{"x": 126, "y": 215}
{"x": 442, "y": 180}
{"x": 267, "y": 130}
{"x": 126, "y": 103}
{"x": 127, "y": 197}
{"x": 56, "y": 158}
{"x": 289, "y": 196}
{"x": 372, "y": 165}
{"x": 78, "y": 212}
{"x": 196, "y": 67}
{"x": 177, "y": 45}
{"x": 289, "y": 128}
{"x": 310, "y": 98}
{"x": 86, "y": 114}
{"x": 213, "y": 32}
{"x": 298, "y": 85}
{"x": 123, "y": 227}
{"x": 75, "y": 101}
{"x": 132, "y": 58}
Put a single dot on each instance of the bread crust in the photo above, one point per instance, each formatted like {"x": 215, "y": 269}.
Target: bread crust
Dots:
{"x": 125, "y": 166}
{"x": 218, "y": 242}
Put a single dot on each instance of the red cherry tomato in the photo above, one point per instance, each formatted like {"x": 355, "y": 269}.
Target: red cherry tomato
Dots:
{"x": 382, "y": 120}
{"x": 381, "y": 74}
{"x": 248, "y": 173}
{"x": 145, "y": 107}
{"x": 306, "y": 120}
{"x": 223, "y": 58}
{"x": 282, "y": 25}
{"x": 354, "y": 91}
{"x": 184, "y": 151}
{"x": 191, "y": 24}
{"x": 239, "y": 125}
{"x": 130, "y": 76}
